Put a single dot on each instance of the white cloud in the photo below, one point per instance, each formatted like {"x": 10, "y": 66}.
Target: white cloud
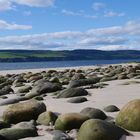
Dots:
{"x": 5, "y": 5}
{"x": 11, "y": 4}
{"x": 98, "y": 5}
{"x": 35, "y": 3}
{"x": 114, "y": 14}
{"x": 130, "y": 28}
{"x": 102, "y": 41}
{"x": 110, "y": 38}
{"x": 79, "y": 13}
{"x": 8, "y": 26}
{"x": 116, "y": 47}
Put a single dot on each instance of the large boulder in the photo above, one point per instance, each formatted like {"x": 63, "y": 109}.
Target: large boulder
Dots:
{"x": 47, "y": 118}
{"x": 43, "y": 88}
{"x": 93, "y": 113}
{"x": 129, "y": 116}
{"x": 83, "y": 82}
{"x": 23, "y": 111}
{"x": 21, "y": 130}
{"x": 70, "y": 121}
{"x": 72, "y": 92}
{"x": 95, "y": 129}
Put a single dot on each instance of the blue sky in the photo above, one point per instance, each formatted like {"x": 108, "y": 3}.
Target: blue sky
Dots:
{"x": 69, "y": 24}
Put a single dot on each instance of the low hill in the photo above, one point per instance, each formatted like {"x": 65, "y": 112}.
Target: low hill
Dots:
{"x": 47, "y": 55}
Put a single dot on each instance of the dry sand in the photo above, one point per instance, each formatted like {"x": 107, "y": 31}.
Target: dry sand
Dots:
{"x": 113, "y": 94}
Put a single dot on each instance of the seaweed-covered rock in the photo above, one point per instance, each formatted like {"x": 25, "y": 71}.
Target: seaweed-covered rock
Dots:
{"x": 49, "y": 87}
{"x": 70, "y": 121}
{"x": 6, "y": 90}
{"x": 78, "y": 76}
{"x": 21, "y": 130}
{"x": 47, "y": 118}
{"x": 77, "y": 100}
{"x": 72, "y": 92}
{"x": 23, "y": 111}
{"x": 83, "y": 82}
{"x": 111, "y": 108}
{"x": 43, "y": 88}
{"x": 94, "y": 113}
{"x": 24, "y": 89}
{"x": 129, "y": 116}
{"x": 95, "y": 129}
{"x": 59, "y": 135}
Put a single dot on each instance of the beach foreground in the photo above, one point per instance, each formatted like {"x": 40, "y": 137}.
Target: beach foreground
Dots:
{"x": 56, "y": 104}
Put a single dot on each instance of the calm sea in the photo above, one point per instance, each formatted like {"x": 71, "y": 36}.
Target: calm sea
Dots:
{"x": 54, "y": 64}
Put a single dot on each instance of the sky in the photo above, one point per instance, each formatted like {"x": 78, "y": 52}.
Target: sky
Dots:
{"x": 70, "y": 24}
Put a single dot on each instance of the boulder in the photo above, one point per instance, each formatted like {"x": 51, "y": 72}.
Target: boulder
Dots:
{"x": 95, "y": 129}
{"x": 70, "y": 121}
{"x": 129, "y": 116}
{"x": 21, "y": 130}
{"x": 72, "y": 92}
{"x": 47, "y": 118}
{"x": 24, "y": 111}
{"x": 43, "y": 88}
{"x": 48, "y": 87}
{"x": 83, "y": 82}
{"x": 94, "y": 113}
{"x": 111, "y": 108}
{"x": 77, "y": 100}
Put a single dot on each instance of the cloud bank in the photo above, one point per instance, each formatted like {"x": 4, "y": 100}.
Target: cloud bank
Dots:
{"x": 109, "y": 38}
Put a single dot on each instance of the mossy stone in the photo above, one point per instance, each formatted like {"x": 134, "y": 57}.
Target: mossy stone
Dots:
{"x": 95, "y": 129}
{"x": 70, "y": 121}
{"x": 129, "y": 116}
{"x": 93, "y": 113}
{"x": 111, "y": 108}
{"x": 47, "y": 118}
{"x": 24, "y": 111}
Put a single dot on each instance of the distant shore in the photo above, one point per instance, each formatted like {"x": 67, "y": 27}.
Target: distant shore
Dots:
{"x": 18, "y": 71}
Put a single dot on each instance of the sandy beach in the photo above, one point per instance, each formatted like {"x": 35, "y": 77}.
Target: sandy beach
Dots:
{"x": 114, "y": 93}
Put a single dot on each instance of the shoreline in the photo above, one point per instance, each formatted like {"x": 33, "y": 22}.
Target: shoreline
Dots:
{"x": 18, "y": 71}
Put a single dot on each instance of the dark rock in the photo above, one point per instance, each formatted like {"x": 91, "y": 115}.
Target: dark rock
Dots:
{"x": 23, "y": 111}
{"x": 77, "y": 100}
{"x": 47, "y": 118}
{"x": 83, "y": 82}
{"x": 93, "y": 113}
{"x": 72, "y": 92}
{"x": 70, "y": 121}
{"x": 95, "y": 129}
{"x": 111, "y": 108}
